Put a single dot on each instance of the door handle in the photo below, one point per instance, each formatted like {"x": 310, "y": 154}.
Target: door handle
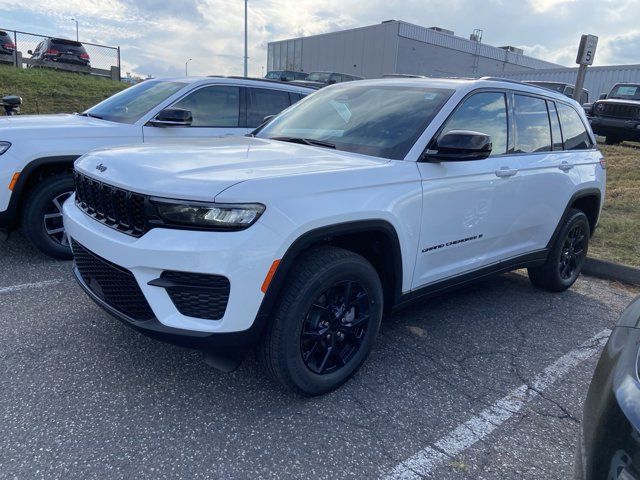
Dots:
{"x": 506, "y": 172}
{"x": 565, "y": 166}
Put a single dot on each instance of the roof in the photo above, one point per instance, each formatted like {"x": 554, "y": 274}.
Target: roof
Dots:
{"x": 290, "y": 86}
{"x": 467, "y": 84}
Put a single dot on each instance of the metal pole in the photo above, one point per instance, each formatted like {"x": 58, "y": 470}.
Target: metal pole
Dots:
{"x": 15, "y": 51}
{"x": 582, "y": 73}
{"x": 77, "y": 34}
{"x": 186, "y": 66}
{"x": 246, "y": 57}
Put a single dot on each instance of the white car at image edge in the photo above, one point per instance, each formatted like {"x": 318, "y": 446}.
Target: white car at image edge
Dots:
{"x": 37, "y": 151}
{"x": 358, "y": 200}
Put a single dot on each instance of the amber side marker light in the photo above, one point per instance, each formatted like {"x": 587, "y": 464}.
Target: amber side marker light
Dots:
{"x": 603, "y": 163}
{"x": 14, "y": 180}
{"x": 270, "y": 274}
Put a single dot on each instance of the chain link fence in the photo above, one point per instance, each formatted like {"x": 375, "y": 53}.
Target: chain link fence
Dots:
{"x": 30, "y": 50}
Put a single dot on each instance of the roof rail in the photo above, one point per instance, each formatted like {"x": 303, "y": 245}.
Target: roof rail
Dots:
{"x": 500, "y": 79}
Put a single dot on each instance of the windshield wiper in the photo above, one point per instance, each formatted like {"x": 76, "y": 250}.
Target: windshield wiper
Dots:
{"x": 305, "y": 141}
{"x": 91, "y": 115}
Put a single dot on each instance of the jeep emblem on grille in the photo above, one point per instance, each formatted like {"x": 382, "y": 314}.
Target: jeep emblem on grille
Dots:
{"x": 101, "y": 168}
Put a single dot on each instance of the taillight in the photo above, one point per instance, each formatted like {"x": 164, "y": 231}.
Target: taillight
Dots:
{"x": 9, "y": 46}
{"x": 603, "y": 163}
{"x": 84, "y": 56}
{"x": 52, "y": 51}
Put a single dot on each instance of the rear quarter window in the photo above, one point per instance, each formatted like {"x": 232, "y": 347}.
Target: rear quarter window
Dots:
{"x": 574, "y": 132}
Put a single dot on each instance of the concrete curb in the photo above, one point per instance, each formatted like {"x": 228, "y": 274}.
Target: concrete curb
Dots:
{"x": 611, "y": 271}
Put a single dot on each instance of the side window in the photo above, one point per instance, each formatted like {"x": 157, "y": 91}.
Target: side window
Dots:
{"x": 568, "y": 91}
{"x": 265, "y": 102}
{"x": 573, "y": 130}
{"x": 336, "y": 78}
{"x": 556, "y": 133}
{"x": 533, "y": 133}
{"x": 486, "y": 113}
{"x": 216, "y": 106}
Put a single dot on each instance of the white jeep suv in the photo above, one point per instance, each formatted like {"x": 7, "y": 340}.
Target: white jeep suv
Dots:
{"x": 359, "y": 199}
{"x": 37, "y": 152}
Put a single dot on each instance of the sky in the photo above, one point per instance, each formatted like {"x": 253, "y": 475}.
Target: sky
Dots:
{"x": 157, "y": 37}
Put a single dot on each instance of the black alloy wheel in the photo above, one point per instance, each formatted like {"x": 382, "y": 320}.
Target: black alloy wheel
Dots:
{"x": 335, "y": 327}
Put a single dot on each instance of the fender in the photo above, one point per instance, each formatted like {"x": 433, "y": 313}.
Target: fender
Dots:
{"x": 9, "y": 216}
{"x": 325, "y": 234}
{"x": 586, "y": 192}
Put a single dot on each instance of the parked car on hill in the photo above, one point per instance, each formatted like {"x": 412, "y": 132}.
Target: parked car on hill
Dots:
{"x": 322, "y": 79}
{"x": 561, "y": 87}
{"x": 7, "y": 47}
{"x": 60, "y": 50}
{"x": 363, "y": 197}
{"x": 616, "y": 115}
{"x": 285, "y": 75}
{"x": 37, "y": 152}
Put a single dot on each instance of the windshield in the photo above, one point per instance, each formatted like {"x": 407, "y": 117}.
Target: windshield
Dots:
{"x": 134, "y": 102}
{"x": 319, "y": 77}
{"x": 382, "y": 121}
{"x": 626, "y": 92}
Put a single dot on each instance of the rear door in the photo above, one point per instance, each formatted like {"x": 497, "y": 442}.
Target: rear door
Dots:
{"x": 550, "y": 174}
{"x": 263, "y": 102}
{"x": 217, "y": 111}
{"x": 469, "y": 206}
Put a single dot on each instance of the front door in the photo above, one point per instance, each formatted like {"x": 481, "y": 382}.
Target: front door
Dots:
{"x": 217, "y": 111}
{"x": 469, "y": 206}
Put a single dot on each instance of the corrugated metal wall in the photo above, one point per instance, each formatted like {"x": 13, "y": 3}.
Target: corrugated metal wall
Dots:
{"x": 598, "y": 80}
{"x": 395, "y": 47}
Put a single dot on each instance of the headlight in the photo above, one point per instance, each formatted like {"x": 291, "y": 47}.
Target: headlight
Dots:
{"x": 4, "y": 146}
{"x": 214, "y": 216}
{"x": 599, "y": 108}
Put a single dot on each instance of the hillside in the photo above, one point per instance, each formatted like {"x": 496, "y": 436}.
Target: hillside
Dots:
{"x": 50, "y": 91}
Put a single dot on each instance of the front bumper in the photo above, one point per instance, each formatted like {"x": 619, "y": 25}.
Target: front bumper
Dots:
{"x": 624, "y": 129}
{"x": 244, "y": 258}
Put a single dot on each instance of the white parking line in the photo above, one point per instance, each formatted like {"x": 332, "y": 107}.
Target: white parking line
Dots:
{"x": 24, "y": 286}
{"x": 425, "y": 462}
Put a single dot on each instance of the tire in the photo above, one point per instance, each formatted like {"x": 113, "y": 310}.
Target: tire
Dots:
{"x": 42, "y": 216}
{"x": 320, "y": 280}
{"x": 567, "y": 255}
{"x": 611, "y": 140}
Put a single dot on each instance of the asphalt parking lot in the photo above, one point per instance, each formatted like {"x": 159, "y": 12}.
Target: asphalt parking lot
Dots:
{"x": 486, "y": 382}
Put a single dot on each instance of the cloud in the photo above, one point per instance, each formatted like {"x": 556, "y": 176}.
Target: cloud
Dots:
{"x": 157, "y": 36}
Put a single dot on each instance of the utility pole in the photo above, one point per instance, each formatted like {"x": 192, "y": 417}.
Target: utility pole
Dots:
{"x": 246, "y": 57}
{"x": 186, "y": 67}
{"x": 586, "y": 54}
{"x": 77, "y": 34}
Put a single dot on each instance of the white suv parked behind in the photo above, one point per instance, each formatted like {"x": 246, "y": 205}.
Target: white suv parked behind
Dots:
{"x": 359, "y": 199}
{"x": 37, "y": 152}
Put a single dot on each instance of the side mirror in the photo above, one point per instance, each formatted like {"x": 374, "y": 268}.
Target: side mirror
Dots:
{"x": 458, "y": 146}
{"x": 173, "y": 117}
{"x": 30, "y": 52}
{"x": 603, "y": 96}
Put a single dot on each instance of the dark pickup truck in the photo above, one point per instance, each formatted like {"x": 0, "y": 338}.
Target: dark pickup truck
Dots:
{"x": 616, "y": 115}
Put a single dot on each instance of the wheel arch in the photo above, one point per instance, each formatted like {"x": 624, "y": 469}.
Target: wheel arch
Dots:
{"x": 375, "y": 240}
{"x": 30, "y": 175}
{"x": 587, "y": 200}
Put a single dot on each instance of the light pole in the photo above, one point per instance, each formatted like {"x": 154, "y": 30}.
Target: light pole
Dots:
{"x": 77, "y": 35}
{"x": 246, "y": 57}
{"x": 186, "y": 67}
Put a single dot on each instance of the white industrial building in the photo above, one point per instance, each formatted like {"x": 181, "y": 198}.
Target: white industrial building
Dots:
{"x": 396, "y": 47}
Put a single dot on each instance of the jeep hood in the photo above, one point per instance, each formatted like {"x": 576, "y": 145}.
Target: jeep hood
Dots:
{"x": 202, "y": 170}
{"x": 51, "y": 126}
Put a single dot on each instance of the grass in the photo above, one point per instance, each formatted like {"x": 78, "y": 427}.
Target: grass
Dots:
{"x": 50, "y": 91}
{"x": 618, "y": 235}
